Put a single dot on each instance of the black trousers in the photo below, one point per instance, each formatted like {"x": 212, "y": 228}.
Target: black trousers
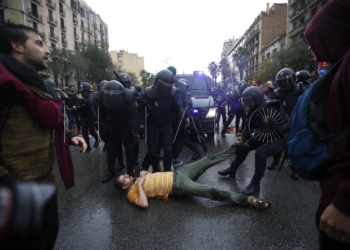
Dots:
{"x": 117, "y": 136}
{"x": 88, "y": 125}
{"x": 221, "y": 112}
{"x": 160, "y": 136}
{"x": 102, "y": 129}
{"x": 325, "y": 243}
{"x": 263, "y": 151}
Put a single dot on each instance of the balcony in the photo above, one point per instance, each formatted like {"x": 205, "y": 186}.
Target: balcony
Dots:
{"x": 75, "y": 22}
{"x": 37, "y": 1}
{"x": 297, "y": 30}
{"x": 298, "y": 11}
{"x": 64, "y": 42}
{"x": 63, "y": 1}
{"x": 4, "y": 4}
{"x": 43, "y": 36}
{"x": 94, "y": 24}
{"x": 82, "y": 27}
{"x": 249, "y": 38}
{"x": 292, "y": 2}
{"x": 311, "y": 3}
{"x": 89, "y": 30}
{"x": 62, "y": 12}
{"x": 52, "y": 20}
{"x": 51, "y": 4}
{"x": 76, "y": 36}
{"x": 83, "y": 41}
{"x": 95, "y": 35}
{"x": 35, "y": 15}
{"x": 63, "y": 28}
{"x": 53, "y": 37}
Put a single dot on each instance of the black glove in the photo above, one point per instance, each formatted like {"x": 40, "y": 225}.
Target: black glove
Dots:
{"x": 142, "y": 133}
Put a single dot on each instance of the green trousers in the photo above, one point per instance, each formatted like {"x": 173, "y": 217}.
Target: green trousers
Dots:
{"x": 185, "y": 184}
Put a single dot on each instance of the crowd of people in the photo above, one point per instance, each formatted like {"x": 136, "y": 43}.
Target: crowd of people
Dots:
{"x": 33, "y": 132}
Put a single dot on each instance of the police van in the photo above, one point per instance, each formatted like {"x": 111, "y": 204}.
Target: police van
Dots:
{"x": 203, "y": 109}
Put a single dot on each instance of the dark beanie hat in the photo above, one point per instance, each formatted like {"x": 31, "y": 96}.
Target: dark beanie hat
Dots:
{"x": 172, "y": 69}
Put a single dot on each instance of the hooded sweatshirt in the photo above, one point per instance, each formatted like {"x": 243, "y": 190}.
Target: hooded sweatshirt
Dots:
{"x": 328, "y": 36}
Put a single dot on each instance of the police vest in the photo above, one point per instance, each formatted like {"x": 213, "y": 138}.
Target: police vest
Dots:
{"x": 161, "y": 107}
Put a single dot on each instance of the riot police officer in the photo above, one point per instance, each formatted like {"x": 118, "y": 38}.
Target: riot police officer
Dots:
{"x": 221, "y": 111}
{"x": 236, "y": 109}
{"x": 122, "y": 125}
{"x": 88, "y": 114}
{"x": 102, "y": 113}
{"x": 303, "y": 76}
{"x": 162, "y": 103}
{"x": 126, "y": 81}
{"x": 287, "y": 92}
{"x": 265, "y": 132}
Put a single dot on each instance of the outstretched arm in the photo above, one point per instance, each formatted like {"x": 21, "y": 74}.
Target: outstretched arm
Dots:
{"x": 142, "y": 200}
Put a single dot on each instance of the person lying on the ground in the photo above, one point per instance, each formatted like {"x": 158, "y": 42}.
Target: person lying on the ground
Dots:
{"x": 182, "y": 183}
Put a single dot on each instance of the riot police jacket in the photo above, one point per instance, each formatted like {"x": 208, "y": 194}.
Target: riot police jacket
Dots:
{"x": 270, "y": 118}
{"x": 85, "y": 105}
{"x": 160, "y": 109}
{"x": 182, "y": 92}
{"x": 126, "y": 115}
{"x": 289, "y": 98}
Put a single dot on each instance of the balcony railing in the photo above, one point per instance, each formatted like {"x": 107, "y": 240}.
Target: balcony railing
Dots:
{"x": 4, "y": 3}
{"x": 82, "y": 27}
{"x": 37, "y": 1}
{"x": 62, "y": 12}
{"x": 63, "y": 1}
{"x": 51, "y": 4}
{"x": 297, "y": 12}
{"x": 94, "y": 24}
{"x": 292, "y": 2}
{"x": 63, "y": 28}
{"x": 43, "y": 36}
{"x": 52, "y": 20}
{"x": 64, "y": 42}
{"x": 76, "y": 37}
{"x": 310, "y": 2}
{"x": 298, "y": 29}
{"x": 249, "y": 38}
{"x": 35, "y": 15}
{"x": 75, "y": 22}
{"x": 53, "y": 37}
{"x": 89, "y": 30}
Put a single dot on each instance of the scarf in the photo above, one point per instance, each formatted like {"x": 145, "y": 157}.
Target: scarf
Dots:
{"x": 47, "y": 112}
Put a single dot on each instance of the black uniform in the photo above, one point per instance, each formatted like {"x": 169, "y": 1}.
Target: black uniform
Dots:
{"x": 88, "y": 117}
{"x": 122, "y": 128}
{"x": 275, "y": 119}
{"x": 220, "y": 99}
{"x": 102, "y": 114}
{"x": 161, "y": 110}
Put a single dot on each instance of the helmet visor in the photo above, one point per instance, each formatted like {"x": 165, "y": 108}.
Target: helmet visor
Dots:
{"x": 112, "y": 98}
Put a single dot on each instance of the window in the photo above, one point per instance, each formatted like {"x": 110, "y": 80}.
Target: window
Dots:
{"x": 50, "y": 14}
{"x": 34, "y": 10}
{"x": 75, "y": 31}
{"x": 82, "y": 36}
{"x": 268, "y": 55}
{"x": 62, "y": 23}
{"x": 295, "y": 25}
{"x": 35, "y": 26}
{"x": 313, "y": 11}
{"x": 302, "y": 20}
{"x": 52, "y": 32}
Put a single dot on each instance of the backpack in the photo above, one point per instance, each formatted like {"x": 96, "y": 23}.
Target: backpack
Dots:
{"x": 309, "y": 145}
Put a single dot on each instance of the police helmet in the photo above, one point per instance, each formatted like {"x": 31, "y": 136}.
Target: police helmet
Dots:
{"x": 85, "y": 87}
{"x": 163, "y": 83}
{"x": 251, "y": 97}
{"x": 184, "y": 84}
{"x": 113, "y": 94}
{"x": 125, "y": 80}
{"x": 138, "y": 88}
{"x": 50, "y": 82}
{"x": 285, "y": 79}
{"x": 302, "y": 76}
{"x": 102, "y": 83}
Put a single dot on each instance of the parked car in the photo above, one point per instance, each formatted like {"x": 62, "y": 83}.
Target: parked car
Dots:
{"x": 203, "y": 109}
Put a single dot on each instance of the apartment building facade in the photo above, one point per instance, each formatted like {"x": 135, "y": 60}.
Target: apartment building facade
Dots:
{"x": 60, "y": 23}
{"x": 266, "y": 27}
{"x": 129, "y": 62}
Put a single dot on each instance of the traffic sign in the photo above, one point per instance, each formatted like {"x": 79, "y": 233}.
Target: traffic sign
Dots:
{"x": 321, "y": 70}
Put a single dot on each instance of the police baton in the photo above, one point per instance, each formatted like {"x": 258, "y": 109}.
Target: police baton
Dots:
{"x": 117, "y": 76}
{"x": 196, "y": 129}
{"x": 180, "y": 124}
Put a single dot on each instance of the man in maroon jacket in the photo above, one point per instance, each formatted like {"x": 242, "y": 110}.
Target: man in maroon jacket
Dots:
{"x": 328, "y": 36}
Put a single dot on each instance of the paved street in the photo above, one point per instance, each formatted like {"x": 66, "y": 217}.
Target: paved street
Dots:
{"x": 95, "y": 216}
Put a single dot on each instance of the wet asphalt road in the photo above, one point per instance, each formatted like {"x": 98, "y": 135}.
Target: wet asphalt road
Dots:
{"x": 95, "y": 216}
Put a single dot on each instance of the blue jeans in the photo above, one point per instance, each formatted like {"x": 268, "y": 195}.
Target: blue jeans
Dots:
{"x": 185, "y": 184}
{"x": 74, "y": 118}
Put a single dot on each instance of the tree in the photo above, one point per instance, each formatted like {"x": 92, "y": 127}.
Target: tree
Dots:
{"x": 224, "y": 68}
{"x": 213, "y": 70}
{"x": 296, "y": 56}
{"x": 145, "y": 77}
{"x": 240, "y": 57}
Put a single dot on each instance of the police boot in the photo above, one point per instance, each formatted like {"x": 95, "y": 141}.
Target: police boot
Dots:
{"x": 196, "y": 156}
{"x": 253, "y": 187}
{"x": 109, "y": 175}
{"x": 231, "y": 170}
{"x": 204, "y": 146}
{"x": 273, "y": 164}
